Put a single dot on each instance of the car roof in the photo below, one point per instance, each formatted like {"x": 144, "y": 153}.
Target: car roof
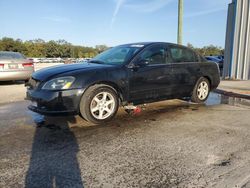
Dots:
{"x": 151, "y": 43}
{"x": 10, "y": 52}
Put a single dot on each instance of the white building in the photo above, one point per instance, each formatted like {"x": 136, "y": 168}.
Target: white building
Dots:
{"x": 237, "y": 47}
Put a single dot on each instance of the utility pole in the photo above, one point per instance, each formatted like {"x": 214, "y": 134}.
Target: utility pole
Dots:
{"x": 180, "y": 21}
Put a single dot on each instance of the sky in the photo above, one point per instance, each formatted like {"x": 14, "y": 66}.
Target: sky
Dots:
{"x": 114, "y": 22}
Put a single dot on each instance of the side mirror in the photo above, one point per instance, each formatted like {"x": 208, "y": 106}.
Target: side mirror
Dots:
{"x": 142, "y": 63}
{"x": 138, "y": 64}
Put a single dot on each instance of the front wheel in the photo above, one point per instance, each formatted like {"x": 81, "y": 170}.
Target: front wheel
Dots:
{"x": 99, "y": 104}
{"x": 201, "y": 91}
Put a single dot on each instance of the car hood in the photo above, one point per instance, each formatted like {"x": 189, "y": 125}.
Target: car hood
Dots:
{"x": 47, "y": 73}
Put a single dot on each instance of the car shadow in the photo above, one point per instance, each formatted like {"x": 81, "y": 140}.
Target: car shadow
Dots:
{"x": 11, "y": 83}
{"x": 53, "y": 161}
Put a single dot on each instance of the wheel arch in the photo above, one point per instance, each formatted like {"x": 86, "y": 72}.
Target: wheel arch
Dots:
{"x": 209, "y": 79}
{"x": 84, "y": 105}
{"x": 110, "y": 84}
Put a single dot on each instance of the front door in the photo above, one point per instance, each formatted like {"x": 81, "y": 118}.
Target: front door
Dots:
{"x": 150, "y": 78}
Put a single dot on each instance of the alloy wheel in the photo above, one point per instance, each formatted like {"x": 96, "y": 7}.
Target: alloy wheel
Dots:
{"x": 102, "y": 105}
{"x": 203, "y": 90}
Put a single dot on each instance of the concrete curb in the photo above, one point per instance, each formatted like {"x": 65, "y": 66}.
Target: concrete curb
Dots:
{"x": 232, "y": 94}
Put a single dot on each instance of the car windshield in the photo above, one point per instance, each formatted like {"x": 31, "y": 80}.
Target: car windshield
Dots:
{"x": 117, "y": 55}
{"x": 11, "y": 55}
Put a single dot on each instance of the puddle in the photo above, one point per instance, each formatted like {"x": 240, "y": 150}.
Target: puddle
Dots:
{"x": 215, "y": 99}
{"x": 52, "y": 122}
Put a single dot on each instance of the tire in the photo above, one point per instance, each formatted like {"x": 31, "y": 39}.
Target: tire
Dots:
{"x": 201, "y": 90}
{"x": 99, "y": 104}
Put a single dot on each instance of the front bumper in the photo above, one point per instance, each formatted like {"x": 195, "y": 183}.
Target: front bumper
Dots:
{"x": 46, "y": 102}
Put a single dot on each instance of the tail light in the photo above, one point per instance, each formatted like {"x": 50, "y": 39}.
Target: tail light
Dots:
{"x": 28, "y": 64}
{"x": 1, "y": 66}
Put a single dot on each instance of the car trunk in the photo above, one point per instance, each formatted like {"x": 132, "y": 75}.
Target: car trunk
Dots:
{"x": 15, "y": 65}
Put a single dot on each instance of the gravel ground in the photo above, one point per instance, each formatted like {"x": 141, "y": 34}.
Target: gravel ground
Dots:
{"x": 170, "y": 144}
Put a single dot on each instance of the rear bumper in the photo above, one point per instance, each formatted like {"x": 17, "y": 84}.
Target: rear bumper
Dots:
{"x": 55, "y": 102}
{"x": 15, "y": 75}
{"x": 215, "y": 82}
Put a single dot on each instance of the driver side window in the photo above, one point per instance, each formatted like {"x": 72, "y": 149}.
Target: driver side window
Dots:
{"x": 154, "y": 55}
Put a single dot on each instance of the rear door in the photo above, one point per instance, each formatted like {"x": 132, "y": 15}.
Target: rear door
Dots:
{"x": 152, "y": 79}
{"x": 186, "y": 70}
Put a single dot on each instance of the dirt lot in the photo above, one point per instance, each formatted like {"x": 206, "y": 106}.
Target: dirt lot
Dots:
{"x": 170, "y": 144}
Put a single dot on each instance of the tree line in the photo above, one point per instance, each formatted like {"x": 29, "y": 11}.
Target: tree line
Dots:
{"x": 51, "y": 49}
{"x": 64, "y": 49}
{"x": 209, "y": 50}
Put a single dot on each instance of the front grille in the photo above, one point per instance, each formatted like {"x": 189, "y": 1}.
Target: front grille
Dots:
{"x": 32, "y": 83}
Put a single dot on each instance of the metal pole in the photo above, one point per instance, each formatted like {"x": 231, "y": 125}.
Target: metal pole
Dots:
{"x": 180, "y": 21}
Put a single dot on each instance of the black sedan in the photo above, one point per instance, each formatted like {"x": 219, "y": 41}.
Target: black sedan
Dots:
{"x": 127, "y": 74}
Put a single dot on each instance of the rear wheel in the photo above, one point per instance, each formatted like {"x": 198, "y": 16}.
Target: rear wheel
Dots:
{"x": 201, "y": 91}
{"x": 99, "y": 104}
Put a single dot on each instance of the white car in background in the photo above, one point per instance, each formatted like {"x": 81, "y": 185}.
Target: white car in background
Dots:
{"x": 36, "y": 60}
{"x": 15, "y": 66}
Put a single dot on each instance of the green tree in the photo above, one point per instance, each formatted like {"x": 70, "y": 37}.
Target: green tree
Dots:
{"x": 207, "y": 50}
{"x": 40, "y": 48}
{"x": 101, "y": 48}
{"x": 52, "y": 49}
{"x": 9, "y": 44}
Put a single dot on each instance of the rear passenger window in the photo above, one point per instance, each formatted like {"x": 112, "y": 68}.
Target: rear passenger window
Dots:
{"x": 182, "y": 55}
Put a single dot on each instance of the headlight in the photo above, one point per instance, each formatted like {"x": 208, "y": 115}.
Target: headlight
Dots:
{"x": 59, "y": 83}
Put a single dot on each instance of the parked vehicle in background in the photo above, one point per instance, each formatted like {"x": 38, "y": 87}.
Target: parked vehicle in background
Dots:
{"x": 221, "y": 57}
{"x": 127, "y": 74}
{"x": 84, "y": 60}
{"x": 14, "y": 66}
{"x": 216, "y": 60}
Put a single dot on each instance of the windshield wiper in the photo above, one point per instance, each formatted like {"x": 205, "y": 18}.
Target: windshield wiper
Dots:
{"x": 96, "y": 61}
